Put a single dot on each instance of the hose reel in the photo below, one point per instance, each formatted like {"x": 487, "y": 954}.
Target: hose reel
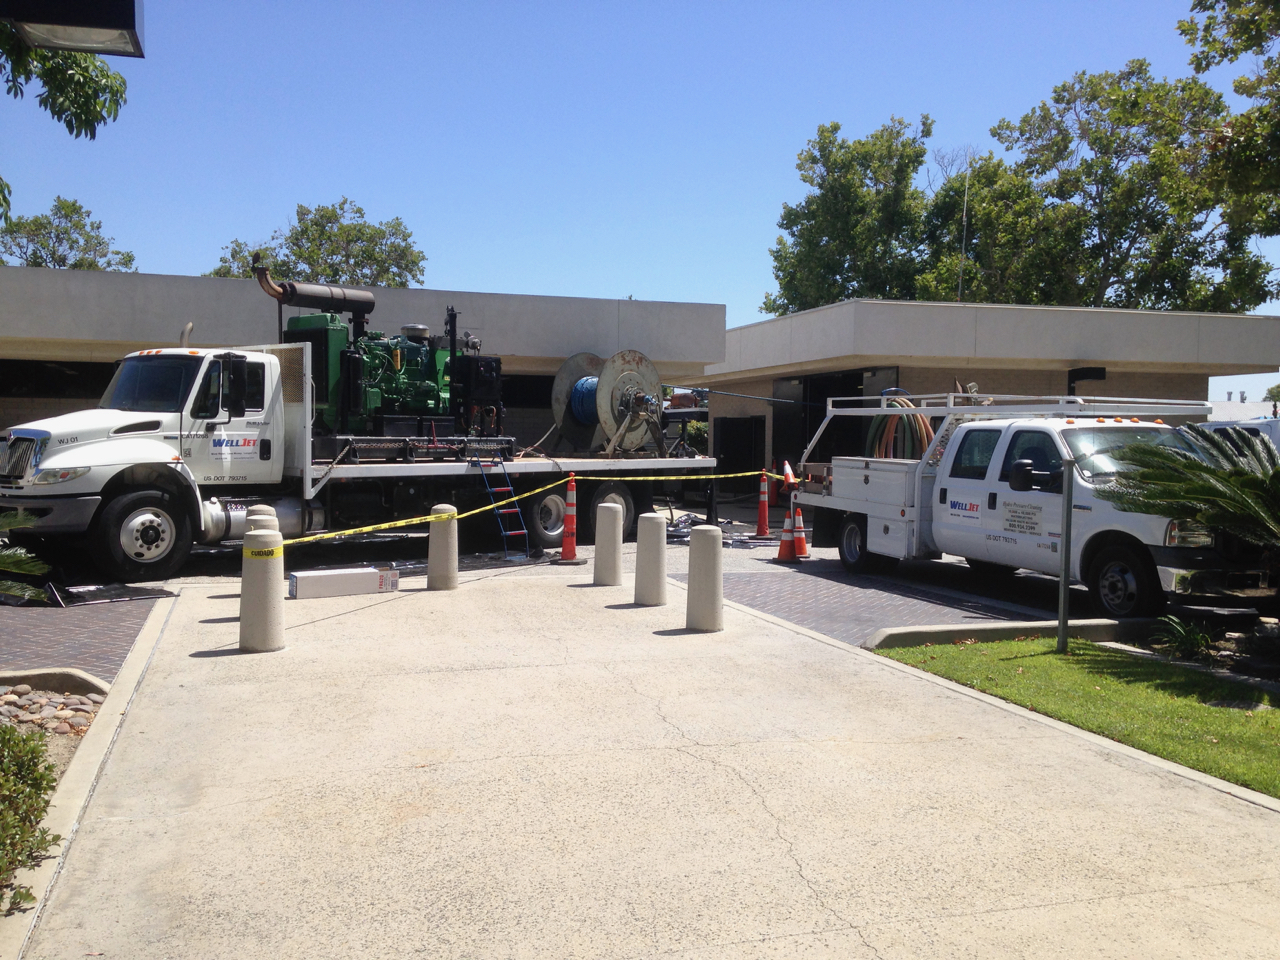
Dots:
{"x": 614, "y": 403}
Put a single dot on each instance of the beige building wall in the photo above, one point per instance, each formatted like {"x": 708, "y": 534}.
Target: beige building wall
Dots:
{"x": 719, "y": 405}
{"x": 1119, "y": 383}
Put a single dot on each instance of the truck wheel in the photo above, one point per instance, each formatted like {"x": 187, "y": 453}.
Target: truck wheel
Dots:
{"x": 144, "y": 535}
{"x": 989, "y": 569}
{"x": 852, "y": 544}
{"x": 544, "y": 516}
{"x": 1123, "y": 583}
{"x": 614, "y": 491}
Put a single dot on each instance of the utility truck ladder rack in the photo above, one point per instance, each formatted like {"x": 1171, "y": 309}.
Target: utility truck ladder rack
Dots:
{"x": 995, "y": 406}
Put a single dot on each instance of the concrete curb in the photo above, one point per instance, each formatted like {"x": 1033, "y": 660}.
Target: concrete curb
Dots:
{"x": 59, "y": 679}
{"x": 1168, "y": 766}
{"x": 81, "y": 777}
{"x": 1097, "y": 631}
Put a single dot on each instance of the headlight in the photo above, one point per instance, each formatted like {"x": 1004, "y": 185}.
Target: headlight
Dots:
{"x": 1187, "y": 533}
{"x": 58, "y": 476}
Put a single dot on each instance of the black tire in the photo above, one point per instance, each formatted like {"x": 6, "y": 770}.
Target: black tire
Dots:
{"x": 544, "y": 518}
{"x": 852, "y": 544}
{"x": 1123, "y": 583}
{"x": 613, "y": 491}
{"x": 989, "y": 569}
{"x": 156, "y": 529}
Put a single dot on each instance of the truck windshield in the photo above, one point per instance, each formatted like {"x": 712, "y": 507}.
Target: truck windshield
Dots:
{"x": 157, "y": 384}
{"x": 1094, "y": 448}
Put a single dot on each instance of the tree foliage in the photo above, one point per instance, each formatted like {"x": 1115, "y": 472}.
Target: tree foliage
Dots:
{"x": 332, "y": 244}
{"x": 857, "y": 233}
{"x": 1245, "y": 147}
{"x": 78, "y": 90}
{"x": 1232, "y": 483}
{"x": 65, "y": 238}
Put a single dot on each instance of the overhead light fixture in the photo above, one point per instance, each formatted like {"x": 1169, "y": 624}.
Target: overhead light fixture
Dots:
{"x": 103, "y": 27}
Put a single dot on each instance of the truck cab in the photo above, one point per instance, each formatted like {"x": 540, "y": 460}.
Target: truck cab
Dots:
{"x": 129, "y": 473}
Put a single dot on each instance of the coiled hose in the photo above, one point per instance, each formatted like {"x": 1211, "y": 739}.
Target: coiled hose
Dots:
{"x": 913, "y": 428}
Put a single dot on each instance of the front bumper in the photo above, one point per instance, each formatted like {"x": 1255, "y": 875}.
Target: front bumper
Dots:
{"x": 41, "y": 515}
{"x": 1194, "y": 572}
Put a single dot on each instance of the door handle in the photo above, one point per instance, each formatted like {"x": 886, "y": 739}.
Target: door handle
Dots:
{"x": 991, "y": 500}
{"x": 942, "y": 495}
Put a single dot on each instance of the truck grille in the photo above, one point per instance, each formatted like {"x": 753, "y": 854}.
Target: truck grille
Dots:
{"x": 16, "y": 458}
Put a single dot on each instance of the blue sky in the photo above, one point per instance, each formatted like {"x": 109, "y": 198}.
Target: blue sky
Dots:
{"x": 589, "y": 149}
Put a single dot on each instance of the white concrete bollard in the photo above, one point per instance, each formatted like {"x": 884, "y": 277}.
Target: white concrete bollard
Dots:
{"x": 263, "y": 522}
{"x": 705, "y": 609}
{"x": 608, "y": 564}
{"x": 442, "y": 550}
{"x": 651, "y": 560}
{"x": 258, "y": 510}
{"x": 262, "y": 590}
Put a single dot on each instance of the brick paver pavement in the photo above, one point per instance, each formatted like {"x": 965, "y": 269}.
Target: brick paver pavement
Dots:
{"x": 822, "y": 597}
{"x": 95, "y": 638}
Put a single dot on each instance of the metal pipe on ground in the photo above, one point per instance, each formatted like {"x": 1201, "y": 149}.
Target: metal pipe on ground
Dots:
{"x": 608, "y": 562}
{"x": 651, "y": 560}
{"x": 442, "y": 550}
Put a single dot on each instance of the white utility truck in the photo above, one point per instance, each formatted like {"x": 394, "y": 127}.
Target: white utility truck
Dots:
{"x": 337, "y": 429}
{"x": 988, "y": 487}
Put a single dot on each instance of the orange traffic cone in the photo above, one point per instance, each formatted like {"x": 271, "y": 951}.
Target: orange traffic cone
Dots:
{"x": 762, "y": 510}
{"x": 787, "y": 547}
{"x": 799, "y": 543}
{"x": 569, "y": 545}
{"x": 788, "y": 478}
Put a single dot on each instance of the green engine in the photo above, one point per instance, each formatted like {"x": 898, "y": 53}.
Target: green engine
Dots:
{"x": 375, "y": 384}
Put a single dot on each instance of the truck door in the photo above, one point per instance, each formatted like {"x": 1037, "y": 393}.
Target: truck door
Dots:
{"x": 220, "y": 448}
{"x": 1025, "y": 528}
{"x": 958, "y": 514}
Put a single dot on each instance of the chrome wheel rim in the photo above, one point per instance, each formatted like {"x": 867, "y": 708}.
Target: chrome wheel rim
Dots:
{"x": 147, "y": 535}
{"x": 550, "y": 515}
{"x": 1118, "y": 587}
{"x": 851, "y": 543}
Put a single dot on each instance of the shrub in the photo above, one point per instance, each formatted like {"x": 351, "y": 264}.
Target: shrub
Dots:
{"x": 1187, "y": 640}
{"x": 26, "y": 783}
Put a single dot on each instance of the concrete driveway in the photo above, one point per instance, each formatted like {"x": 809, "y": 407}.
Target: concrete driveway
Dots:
{"x": 532, "y": 767}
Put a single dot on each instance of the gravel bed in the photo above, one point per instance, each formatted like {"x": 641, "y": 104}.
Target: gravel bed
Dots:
{"x": 63, "y": 714}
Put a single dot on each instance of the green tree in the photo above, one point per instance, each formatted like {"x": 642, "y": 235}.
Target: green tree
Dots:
{"x": 1245, "y": 148}
{"x": 1017, "y": 246}
{"x": 64, "y": 238}
{"x": 1116, "y": 159}
{"x": 78, "y": 90}
{"x": 332, "y": 244}
{"x": 1273, "y": 394}
{"x": 858, "y": 231}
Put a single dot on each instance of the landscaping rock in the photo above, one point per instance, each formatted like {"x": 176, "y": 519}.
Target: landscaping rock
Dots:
{"x": 47, "y": 712}
{"x": 9, "y": 711}
{"x": 64, "y": 714}
{"x": 63, "y": 727}
{"x": 78, "y": 721}
{"x": 22, "y": 689}
{"x": 96, "y": 697}
{"x": 80, "y": 707}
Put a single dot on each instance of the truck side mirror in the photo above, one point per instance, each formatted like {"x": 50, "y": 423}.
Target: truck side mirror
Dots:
{"x": 1020, "y": 476}
{"x": 236, "y": 386}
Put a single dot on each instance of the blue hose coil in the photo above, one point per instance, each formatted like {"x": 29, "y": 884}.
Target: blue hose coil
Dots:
{"x": 582, "y": 401}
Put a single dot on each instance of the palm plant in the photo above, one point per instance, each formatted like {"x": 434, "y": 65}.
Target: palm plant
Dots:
{"x": 19, "y": 561}
{"x": 1231, "y": 482}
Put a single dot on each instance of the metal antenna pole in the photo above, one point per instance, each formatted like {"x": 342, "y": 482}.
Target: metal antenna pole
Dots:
{"x": 964, "y": 232}
{"x": 1064, "y": 575}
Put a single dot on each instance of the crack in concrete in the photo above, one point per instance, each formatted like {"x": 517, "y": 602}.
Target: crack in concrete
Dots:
{"x": 760, "y": 799}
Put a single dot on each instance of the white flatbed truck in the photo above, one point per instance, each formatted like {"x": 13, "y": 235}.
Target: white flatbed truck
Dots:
{"x": 988, "y": 489}
{"x": 165, "y": 462}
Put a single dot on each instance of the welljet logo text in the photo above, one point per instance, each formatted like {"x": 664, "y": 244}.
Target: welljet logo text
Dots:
{"x": 963, "y": 507}
{"x": 238, "y": 442}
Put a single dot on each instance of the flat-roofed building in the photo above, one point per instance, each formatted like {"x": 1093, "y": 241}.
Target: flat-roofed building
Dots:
{"x": 785, "y": 369}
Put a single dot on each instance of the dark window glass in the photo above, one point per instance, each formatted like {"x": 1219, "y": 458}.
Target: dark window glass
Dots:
{"x": 205, "y": 406}
{"x": 256, "y": 389}
{"x": 157, "y": 384}
{"x": 1036, "y": 446}
{"x": 975, "y": 454}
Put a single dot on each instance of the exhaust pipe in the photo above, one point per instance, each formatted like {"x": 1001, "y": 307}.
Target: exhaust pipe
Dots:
{"x": 184, "y": 339}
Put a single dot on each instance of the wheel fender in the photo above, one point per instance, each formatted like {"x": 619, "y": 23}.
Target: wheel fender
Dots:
{"x": 1106, "y": 538}
{"x": 173, "y": 476}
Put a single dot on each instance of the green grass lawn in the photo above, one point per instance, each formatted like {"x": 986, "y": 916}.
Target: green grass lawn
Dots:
{"x": 1155, "y": 706}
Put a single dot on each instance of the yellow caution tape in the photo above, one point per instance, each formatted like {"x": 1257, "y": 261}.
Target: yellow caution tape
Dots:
{"x": 437, "y": 517}
{"x": 258, "y": 553}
